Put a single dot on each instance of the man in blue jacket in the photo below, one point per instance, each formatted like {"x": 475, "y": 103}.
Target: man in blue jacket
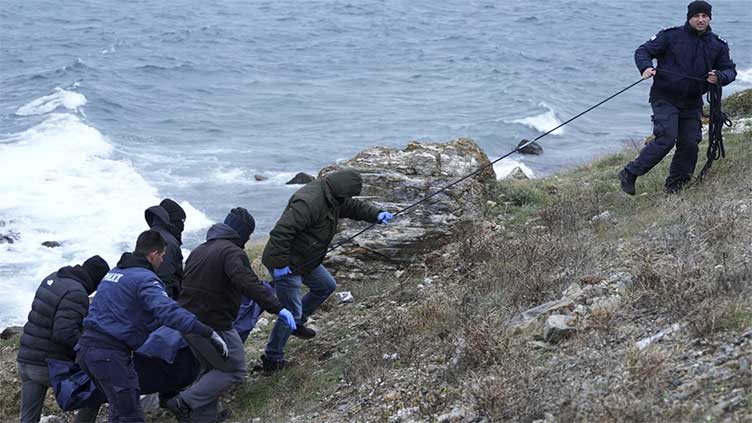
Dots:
{"x": 690, "y": 57}
{"x": 131, "y": 302}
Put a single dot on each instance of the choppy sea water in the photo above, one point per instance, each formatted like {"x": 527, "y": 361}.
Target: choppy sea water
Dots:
{"x": 106, "y": 107}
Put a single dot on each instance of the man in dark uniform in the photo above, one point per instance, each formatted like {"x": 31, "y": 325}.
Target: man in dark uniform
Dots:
{"x": 131, "y": 302}
{"x": 297, "y": 246}
{"x": 693, "y": 51}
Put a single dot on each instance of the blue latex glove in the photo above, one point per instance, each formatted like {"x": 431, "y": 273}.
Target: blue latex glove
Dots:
{"x": 278, "y": 273}
{"x": 288, "y": 318}
{"x": 384, "y": 217}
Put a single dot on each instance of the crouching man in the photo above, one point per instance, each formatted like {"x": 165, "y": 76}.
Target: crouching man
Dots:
{"x": 52, "y": 331}
{"x": 130, "y": 303}
{"x": 217, "y": 274}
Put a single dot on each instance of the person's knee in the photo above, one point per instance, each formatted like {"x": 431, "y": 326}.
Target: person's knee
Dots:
{"x": 329, "y": 286}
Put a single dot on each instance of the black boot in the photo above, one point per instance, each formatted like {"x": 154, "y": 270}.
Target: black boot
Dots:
{"x": 304, "y": 332}
{"x": 271, "y": 366}
{"x": 178, "y": 408}
{"x": 627, "y": 180}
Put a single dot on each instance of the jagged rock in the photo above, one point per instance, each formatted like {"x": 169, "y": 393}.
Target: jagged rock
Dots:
{"x": 574, "y": 291}
{"x": 51, "y": 244}
{"x": 394, "y": 179}
{"x": 558, "y": 327}
{"x": 604, "y": 217}
{"x": 260, "y": 178}
{"x": 533, "y": 148}
{"x": 621, "y": 280}
{"x": 530, "y": 322}
{"x": 51, "y": 419}
{"x": 11, "y": 331}
{"x": 646, "y": 342}
{"x": 517, "y": 173}
{"x": 301, "y": 178}
{"x": 9, "y": 237}
{"x": 457, "y": 414}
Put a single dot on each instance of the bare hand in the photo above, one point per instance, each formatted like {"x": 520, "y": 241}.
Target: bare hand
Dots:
{"x": 649, "y": 73}
{"x": 712, "y": 77}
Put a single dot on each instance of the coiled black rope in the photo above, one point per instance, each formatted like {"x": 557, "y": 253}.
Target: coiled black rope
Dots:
{"x": 717, "y": 119}
{"x": 476, "y": 172}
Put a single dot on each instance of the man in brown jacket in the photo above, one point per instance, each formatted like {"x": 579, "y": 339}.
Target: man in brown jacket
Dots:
{"x": 297, "y": 246}
{"x": 217, "y": 273}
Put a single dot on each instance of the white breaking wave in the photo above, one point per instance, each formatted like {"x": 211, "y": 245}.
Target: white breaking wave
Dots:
{"x": 543, "y": 122}
{"x": 70, "y": 100}
{"x": 744, "y": 76}
{"x": 505, "y": 166}
{"x": 60, "y": 182}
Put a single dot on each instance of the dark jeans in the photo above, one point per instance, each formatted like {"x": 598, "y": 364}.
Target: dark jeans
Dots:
{"x": 672, "y": 126}
{"x": 34, "y": 383}
{"x": 320, "y": 283}
{"x": 113, "y": 372}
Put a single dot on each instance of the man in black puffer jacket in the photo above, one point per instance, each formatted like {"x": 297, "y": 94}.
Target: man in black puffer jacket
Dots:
{"x": 168, "y": 219}
{"x": 54, "y": 326}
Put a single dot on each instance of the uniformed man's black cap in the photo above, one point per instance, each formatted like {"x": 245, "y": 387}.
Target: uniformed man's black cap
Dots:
{"x": 699, "y": 7}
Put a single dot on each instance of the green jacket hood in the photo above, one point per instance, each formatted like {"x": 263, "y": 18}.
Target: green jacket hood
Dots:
{"x": 344, "y": 183}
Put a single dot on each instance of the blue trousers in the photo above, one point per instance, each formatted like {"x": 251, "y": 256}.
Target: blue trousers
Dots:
{"x": 672, "y": 126}
{"x": 113, "y": 372}
{"x": 320, "y": 283}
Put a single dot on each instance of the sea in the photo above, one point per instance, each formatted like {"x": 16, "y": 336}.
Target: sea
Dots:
{"x": 106, "y": 106}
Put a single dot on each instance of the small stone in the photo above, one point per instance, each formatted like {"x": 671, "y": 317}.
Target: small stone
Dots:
{"x": 391, "y": 357}
{"x": 263, "y": 322}
{"x": 573, "y": 291}
{"x": 531, "y": 148}
{"x": 558, "y": 327}
{"x": 260, "y": 178}
{"x": 301, "y": 178}
{"x": 743, "y": 363}
{"x": 518, "y": 174}
{"x": 51, "y": 244}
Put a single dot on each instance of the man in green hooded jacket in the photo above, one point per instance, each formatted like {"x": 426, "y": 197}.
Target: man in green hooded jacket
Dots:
{"x": 297, "y": 246}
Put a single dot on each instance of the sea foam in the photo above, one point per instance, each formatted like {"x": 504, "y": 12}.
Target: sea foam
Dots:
{"x": 61, "y": 181}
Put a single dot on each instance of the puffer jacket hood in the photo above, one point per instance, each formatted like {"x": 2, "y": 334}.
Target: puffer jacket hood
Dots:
{"x": 343, "y": 183}
{"x": 78, "y": 273}
{"x": 222, "y": 231}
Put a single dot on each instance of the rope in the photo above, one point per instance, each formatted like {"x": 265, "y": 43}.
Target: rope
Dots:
{"x": 478, "y": 171}
{"x": 718, "y": 119}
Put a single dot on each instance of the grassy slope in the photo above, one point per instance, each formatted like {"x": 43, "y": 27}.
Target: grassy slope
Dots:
{"x": 452, "y": 351}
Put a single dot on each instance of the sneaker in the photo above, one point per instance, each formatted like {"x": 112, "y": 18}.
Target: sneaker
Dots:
{"x": 271, "y": 366}
{"x": 304, "y": 332}
{"x": 178, "y": 408}
{"x": 627, "y": 180}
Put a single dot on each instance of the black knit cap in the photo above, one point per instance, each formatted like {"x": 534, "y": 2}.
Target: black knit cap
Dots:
{"x": 96, "y": 267}
{"x": 242, "y": 221}
{"x": 699, "y": 6}
{"x": 173, "y": 209}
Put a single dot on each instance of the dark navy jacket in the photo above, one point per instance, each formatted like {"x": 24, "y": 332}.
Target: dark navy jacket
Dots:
{"x": 171, "y": 269}
{"x": 131, "y": 302}
{"x": 682, "y": 50}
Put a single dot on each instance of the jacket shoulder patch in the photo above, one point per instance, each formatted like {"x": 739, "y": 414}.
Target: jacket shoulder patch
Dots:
{"x": 668, "y": 28}
{"x": 721, "y": 39}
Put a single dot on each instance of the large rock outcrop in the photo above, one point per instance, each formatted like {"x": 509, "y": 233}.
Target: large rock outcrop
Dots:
{"x": 393, "y": 179}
